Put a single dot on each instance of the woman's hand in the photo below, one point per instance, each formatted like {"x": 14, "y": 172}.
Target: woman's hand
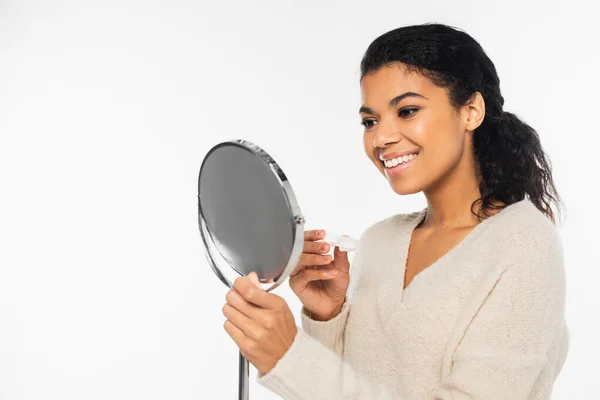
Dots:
{"x": 260, "y": 323}
{"x": 321, "y": 294}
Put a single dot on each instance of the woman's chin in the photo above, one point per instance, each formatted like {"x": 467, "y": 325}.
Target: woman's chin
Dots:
{"x": 402, "y": 185}
{"x": 403, "y": 188}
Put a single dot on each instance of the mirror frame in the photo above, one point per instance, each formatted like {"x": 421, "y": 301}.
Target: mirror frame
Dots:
{"x": 295, "y": 215}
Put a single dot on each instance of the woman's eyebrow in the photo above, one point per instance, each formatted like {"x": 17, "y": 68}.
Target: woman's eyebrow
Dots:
{"x": 393, "y": 102}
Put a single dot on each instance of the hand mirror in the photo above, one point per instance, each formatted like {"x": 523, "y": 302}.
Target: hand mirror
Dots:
{"x": 248, "y": 212}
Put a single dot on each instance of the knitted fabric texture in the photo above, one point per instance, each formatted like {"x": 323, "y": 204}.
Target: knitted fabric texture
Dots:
{"x": 485, "y": 321}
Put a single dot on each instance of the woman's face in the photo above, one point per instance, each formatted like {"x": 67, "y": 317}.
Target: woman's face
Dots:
{"x": 406, "y": 114}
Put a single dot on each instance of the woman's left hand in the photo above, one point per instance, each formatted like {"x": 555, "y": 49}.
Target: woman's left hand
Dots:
{"x": 260, "y": 323}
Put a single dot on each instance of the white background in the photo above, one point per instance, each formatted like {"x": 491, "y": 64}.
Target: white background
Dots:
{"x": 107, "y": 109}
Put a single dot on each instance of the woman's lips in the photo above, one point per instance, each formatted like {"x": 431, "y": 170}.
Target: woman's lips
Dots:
{"x": 400, "y": 168}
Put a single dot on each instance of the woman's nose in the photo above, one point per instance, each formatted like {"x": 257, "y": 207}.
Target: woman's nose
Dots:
{"x": 386, "y": 135}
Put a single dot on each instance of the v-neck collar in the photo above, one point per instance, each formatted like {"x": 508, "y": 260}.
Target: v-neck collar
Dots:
{"x": 402, "y": 229}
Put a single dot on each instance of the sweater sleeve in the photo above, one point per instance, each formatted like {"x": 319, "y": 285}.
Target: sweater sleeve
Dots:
{"x": 509, "y": 339}
{"x": 329, "y": 333}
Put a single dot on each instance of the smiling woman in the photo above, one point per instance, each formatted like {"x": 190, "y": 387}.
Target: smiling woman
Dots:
{"x": 465, "y": 298}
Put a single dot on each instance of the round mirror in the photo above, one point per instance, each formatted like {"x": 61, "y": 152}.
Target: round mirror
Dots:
{"x": 248, "y": 212}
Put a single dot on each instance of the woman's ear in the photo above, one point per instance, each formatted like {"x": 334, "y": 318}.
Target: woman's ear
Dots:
{"x": 474, "y": 112}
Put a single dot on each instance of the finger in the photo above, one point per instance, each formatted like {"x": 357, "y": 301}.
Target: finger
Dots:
{"x": 309, "y": 275}
{"x": 238, "y": 336}
{"x": 311, "y": 260}
{"x": 341, "y": 258}
{"x": 236, "y": 300}
{"x": 257, "y": 296}
{"x": 241, "y": 321}
{"x": 254, "y": 279}
{"x": 315, "y": 234}
{"x": 316, "y": 247}
{"x": 314, "y": 259}
{"x": 339, "y": 254}
{"x": 300, "y": 269}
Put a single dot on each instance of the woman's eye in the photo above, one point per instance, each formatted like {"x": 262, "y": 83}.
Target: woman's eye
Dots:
{"x": 403, "y": 113}
{"x": 365, "y": 123}
{"x": 407, "y": 112}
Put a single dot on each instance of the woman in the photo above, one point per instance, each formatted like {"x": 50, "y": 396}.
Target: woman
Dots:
{"x": 462, "y": 300}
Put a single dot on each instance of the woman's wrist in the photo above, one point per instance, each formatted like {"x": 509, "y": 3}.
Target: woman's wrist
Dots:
{"x": 334, "y": 314}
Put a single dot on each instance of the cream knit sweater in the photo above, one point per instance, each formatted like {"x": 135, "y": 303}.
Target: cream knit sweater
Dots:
{"x": 485, "y": 321}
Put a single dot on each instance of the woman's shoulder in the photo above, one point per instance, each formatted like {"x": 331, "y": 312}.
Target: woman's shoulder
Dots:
{"x": 521, "y": 234}
{"x": 524, "y": 226}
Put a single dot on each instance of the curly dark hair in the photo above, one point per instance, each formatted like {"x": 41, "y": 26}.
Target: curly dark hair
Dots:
{"x": 511, "y": 160}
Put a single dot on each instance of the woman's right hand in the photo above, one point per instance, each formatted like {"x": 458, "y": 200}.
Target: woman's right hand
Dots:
{"x": 321, "y": 294}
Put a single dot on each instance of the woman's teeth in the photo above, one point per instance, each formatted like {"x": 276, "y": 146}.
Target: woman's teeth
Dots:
{"x": 400, "y": 160}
